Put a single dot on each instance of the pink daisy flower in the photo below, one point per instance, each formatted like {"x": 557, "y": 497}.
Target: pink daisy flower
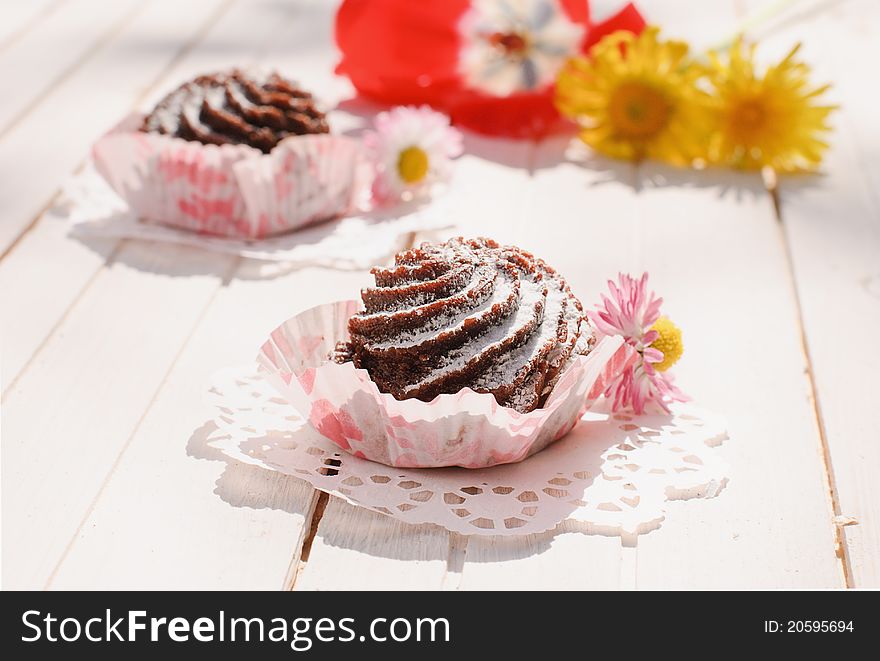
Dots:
{"x": 411, "y": 150}
{"x": 633, "y": 312}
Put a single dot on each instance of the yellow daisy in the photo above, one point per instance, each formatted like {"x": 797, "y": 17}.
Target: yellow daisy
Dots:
{"x": 635, "y": 97}
{"x": 765, "y": 120}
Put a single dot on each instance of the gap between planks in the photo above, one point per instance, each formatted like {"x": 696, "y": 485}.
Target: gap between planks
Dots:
{"x": 456, "y": 554}
{"x": 771, "y": 184}
{"x": 301, "y": 555}
{"x": 458, "y": 544}
{"x": 841, "y": 548}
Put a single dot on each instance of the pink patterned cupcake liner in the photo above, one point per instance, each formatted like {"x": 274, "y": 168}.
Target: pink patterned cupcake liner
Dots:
{"x": 231, "y": 190}
{"x": 467, "y": 429}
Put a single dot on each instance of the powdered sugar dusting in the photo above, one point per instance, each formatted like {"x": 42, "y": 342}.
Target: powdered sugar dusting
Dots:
{"x": 471, "y": 292}
{"x": 532, "y": 295}
{"x": 507, "y": 370}
{"x": 450, "y": 323}
{"x": 508, "y": 331}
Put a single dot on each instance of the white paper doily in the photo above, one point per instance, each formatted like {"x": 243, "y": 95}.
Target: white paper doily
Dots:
{"x": 355, "y": 242}
{"x": 613, "y": 472}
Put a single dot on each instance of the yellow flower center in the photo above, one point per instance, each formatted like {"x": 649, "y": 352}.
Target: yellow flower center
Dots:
{"x": 412, "y": 164}
{"x": 637, "y": 110}
{"x": 669, "y": 342}
{"x": 747, "y": 118}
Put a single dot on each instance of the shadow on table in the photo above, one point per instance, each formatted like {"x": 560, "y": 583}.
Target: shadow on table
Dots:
{"x": 369, "y": 532}
{"x": 652, "y": 175}
{"x": 153, "y": 248}
{"x": 244, "y": 485}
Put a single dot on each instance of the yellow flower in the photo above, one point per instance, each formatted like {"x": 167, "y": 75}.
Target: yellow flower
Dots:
{"x": 765, "y": 120}
{"x": 635, "y": 97}
{"x": 668, "y": 341}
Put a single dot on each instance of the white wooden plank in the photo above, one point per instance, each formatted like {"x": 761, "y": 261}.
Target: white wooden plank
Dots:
{"x": 712, "y": 247}
{"x": 833, "y": 227}
{"x": 174, "y": 514}
{"x": 26, "y": 276}
{"x": 34, "y": 159}
{"x": 69, "y": 416}
{"x": 40, "y": 290}
{"x": 17, "y": 18}
{"x": 581, "y": 215}
{"x": 31, "y": 68}
{"x": 692, "y": 238}
{"x": 297, "y": 41}
{"x": 565, "y": 559}
{"x": 71, "y": 342}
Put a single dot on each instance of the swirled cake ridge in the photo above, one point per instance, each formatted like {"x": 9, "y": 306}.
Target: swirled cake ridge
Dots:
{"x": 237, "y": 108}
{"x": 467, "y": 313}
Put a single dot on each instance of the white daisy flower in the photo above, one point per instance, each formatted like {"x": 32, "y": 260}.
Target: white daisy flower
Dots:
{"x": 515, "y": 45}
{"x": 411, "y": 149}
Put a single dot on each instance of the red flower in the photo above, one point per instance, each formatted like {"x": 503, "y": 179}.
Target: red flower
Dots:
{"x": 489, "y": 64}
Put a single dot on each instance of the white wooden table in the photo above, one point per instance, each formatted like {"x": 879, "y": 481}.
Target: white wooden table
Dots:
{"x": 107, "y": 347}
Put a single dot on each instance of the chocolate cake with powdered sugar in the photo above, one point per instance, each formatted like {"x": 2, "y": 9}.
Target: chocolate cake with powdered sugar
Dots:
{"x": 237, "y": 108}
{"x": 467, "y": 313}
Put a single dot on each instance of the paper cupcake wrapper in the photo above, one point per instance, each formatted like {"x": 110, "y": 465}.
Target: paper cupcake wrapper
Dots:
{"x": 231, "y": 190}
{"x": 467, "y": 429}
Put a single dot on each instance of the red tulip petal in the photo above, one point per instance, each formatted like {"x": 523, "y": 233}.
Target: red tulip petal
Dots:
{"x": 577, "y": 10}
{"x": 527, "y": 115}
{"x": 400, "y": 51}
{"x": 627, "y": 18}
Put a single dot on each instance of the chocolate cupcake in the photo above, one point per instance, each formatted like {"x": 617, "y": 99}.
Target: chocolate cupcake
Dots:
{"x": 233, "y": 154}
{"x": 467, "y": 314}
{"x": 464, "y": 353}
{"x": 237, "y": 108}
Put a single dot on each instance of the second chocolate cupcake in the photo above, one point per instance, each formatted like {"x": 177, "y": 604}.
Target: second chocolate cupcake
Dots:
{"x": 237, "y": 108}
{"x": 233, "y": 154}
